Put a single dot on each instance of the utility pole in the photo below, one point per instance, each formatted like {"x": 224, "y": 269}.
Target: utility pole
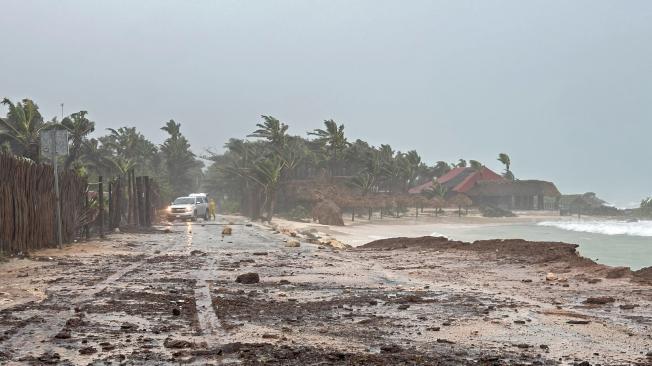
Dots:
{"x": 54, "y": 143}
{"x": 61, "y": 111}
{"x": 57, "y": 197}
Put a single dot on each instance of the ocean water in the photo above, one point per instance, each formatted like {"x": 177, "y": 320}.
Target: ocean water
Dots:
{"x": 615, "y": 243}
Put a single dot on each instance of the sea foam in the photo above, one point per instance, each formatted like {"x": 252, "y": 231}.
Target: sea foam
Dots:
{"x": 606, "y": 227}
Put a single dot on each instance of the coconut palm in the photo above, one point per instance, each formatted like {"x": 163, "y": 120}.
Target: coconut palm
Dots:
{"x": 172, "y": 128}
{"x": 332, "y": 139}
{"x": 504, "y": 158}
{"x": 273, "y": 131}
{"x": 21, "y": 129}
{"x": 646, "y": 206}
{"x": 129, "y": 144}
{"x": 412, "y": 168}
{"x": 441, "y": 168}
{"x": 78, "y": 127}
{"x": 179, "y": 160}
{"x": 476, "y": 165}
{"x": 267, "y": 173}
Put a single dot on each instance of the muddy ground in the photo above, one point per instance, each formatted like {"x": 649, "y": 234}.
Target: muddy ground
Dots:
{"x": 172, "y": 298}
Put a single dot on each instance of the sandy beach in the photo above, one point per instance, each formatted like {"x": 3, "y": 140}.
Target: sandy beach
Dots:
{"x": 362, "y": 231}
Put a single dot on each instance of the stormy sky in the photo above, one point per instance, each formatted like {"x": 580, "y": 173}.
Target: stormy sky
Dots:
{"x": 564, "y": 87}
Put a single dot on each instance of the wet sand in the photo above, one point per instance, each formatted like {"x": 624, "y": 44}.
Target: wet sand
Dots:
{"x": 171, "y": 298}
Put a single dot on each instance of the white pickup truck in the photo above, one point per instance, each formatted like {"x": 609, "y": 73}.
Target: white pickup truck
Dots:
{"x": 189, "y": 208}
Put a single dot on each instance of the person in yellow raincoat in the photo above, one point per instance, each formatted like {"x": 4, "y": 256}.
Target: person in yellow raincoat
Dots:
{"x": 211, "y": 209}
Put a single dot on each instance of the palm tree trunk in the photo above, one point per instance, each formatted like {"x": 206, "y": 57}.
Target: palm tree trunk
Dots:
{"x": 271, "y": 205}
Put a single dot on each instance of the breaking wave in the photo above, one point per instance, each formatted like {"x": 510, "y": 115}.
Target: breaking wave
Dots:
{"x": 638, "y": 228}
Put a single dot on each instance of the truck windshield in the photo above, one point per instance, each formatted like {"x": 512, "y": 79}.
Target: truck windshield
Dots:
{"x": 184, "y": 201}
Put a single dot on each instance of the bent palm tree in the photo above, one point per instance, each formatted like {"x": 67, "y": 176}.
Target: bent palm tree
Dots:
{"x": 476, "y": 165}
{"x": 333, "y": 139}
{"x": 504, "y": 158}
{"x": 78, "y": 127}
{"x": 273, "y": 131}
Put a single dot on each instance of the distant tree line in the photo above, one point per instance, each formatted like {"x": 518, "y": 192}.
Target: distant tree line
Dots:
{"x": 172, "y": 164}
{"x": 250, "y": 172}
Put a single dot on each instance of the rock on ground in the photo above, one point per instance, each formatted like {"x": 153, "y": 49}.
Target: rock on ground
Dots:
{"x": 248, "y": 278}
{"x": 326, "y": 212}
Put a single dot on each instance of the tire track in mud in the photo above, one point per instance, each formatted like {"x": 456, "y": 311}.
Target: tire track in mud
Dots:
{"x": 210, "y": 328}
{"x": 39, "y": 334}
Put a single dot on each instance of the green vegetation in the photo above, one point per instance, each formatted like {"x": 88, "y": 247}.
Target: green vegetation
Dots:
{"x": 248, "y": 176}
{"x": 504, "y": 158}
{"x": 174, "y": 167}
{"x": 256, "y": 172}
{"x": 646, "y": 207}
{"x": 20, "y": 130}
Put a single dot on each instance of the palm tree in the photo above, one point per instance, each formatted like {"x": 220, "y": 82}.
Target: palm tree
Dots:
{"x": 365, "y": 182}
{"x": 476, "y": 165}
{"x": 332, "y": 139}
{"x": 267, "y": 173}
{"x": 179, "y": 159}
{"x": 96, "y": 158}
{"x": 412, "y": 168}
{"x": 127, "y": 143}
{"x": 273, "y": 131}
{"x": 441, "y": 168}
{"x": 22, "y": 127}
{"x": 504, "y": 158}
{"x": 172, "y": 128}
{"x": 461, "y": 163}
{"x": 646, "y": 206}
{"x": 78, "y": 127}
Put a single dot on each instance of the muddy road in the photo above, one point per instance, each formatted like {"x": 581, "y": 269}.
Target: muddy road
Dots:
{"x": 172, "y": 298}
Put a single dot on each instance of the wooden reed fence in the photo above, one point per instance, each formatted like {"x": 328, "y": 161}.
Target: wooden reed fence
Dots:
{"x": 27, "y": 205}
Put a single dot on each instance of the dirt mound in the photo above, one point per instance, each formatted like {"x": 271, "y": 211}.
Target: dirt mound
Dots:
{"x": 532, "y": 252}
{"x": 326, "y": 212}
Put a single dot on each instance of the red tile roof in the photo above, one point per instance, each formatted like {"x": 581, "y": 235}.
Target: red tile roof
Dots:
{"x": 484, "y": 174}
{"x": 450, "y": 175}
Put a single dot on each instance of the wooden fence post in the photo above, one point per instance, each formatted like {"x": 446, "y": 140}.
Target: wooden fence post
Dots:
{"x": 129, "y": 198}
{"x": 135, "y": 196}
{"x": 139, "y": 201}
{"x": 110, "y": 226}
{"x": 148, "y": 203}
{"x": 87, "y": 232}
{"x": 100, "y": 197}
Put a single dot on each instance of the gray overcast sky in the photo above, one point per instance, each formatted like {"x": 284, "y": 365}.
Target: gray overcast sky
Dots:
{"x": 564, "y": 87}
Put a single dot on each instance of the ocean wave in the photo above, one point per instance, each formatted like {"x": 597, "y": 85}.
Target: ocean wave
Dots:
{"x": 436, "y": 234}
{"x": 638, "y": 228}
